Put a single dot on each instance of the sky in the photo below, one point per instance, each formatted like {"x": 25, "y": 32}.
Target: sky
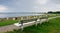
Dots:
{"x": 29, "y": 5}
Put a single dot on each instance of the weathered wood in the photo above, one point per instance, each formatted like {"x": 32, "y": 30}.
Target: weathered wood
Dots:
{"x": 21, "y": 25}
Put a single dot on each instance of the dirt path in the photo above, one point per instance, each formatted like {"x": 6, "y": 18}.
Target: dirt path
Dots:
{"x": 11, "y": 27}
{"x": 7, "y": 28}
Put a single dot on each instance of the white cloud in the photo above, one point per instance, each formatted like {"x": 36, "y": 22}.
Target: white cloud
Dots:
{"x": 53, "y": 7}
{"x": 36, "y": 9}
{"x": 42, "y": 1}
{"x": 46, "y": 8}
{"x": 3, "y": 8}
{"x": 36, "y": 6}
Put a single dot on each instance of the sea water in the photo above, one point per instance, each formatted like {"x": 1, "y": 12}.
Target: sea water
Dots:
{"x": 4, "y": 15}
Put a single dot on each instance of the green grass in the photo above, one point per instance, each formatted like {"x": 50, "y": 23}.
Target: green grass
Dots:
{"x": 53, "y": 26}
{"x": 53, "y": 15}
{"x": 8, "y": 22}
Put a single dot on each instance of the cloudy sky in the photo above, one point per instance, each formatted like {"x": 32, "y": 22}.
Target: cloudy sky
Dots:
{"x": 29, "y": 5}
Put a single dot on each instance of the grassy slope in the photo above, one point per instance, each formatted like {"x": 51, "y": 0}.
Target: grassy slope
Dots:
{"x": 8, "y": 22}
{"x": 53, "y": 15}
{"x": 53, "y": 26}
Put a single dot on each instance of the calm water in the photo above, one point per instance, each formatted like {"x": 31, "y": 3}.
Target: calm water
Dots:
{"x": 15, "y": 15}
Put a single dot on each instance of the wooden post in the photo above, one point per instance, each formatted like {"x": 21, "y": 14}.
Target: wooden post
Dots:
{"x": 21, "y": 22}
{"x": 21, "y": 25}
{"x": 36, "y": 22}
{"x": 40, "y": 18}
{"x": 7, "y": 18}
{"x": 13, "y": 18}
{"x": 47, "y": 18}
{"x": 40, "y": 21}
